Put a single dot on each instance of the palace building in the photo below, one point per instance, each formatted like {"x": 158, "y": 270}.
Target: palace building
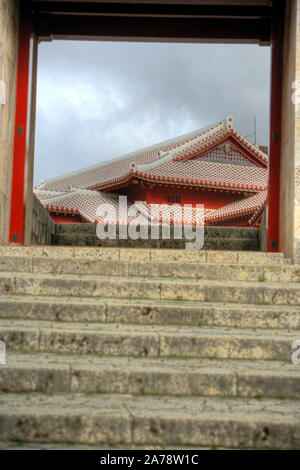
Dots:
{"x": 214, "y": 166}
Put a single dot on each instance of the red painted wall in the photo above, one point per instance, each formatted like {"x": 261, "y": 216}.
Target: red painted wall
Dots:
{"x": 159, "y": 195}
{"x": 62, "y": 218}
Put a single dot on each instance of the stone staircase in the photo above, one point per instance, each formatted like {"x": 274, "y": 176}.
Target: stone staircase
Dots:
{"x": 148, "y": 349}
{"x": 215, "y": 238}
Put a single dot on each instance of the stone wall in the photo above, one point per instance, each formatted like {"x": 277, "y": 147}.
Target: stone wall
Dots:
{"x": 215, "y": 238}
{"x": 263, "y": 231}
{"x": 43, "y": 226}
{"x": 290, "y": 160}
{"x": 8, "y": 69}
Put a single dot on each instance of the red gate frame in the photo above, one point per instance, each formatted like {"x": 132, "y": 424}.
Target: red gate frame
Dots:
{"x": 17, "y": 210}
{"x": 17, "y": 218}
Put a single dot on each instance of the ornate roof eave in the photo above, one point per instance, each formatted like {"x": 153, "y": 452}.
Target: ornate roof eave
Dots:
{"x": 51, "y": 208}
{"x": 233, "y": 214}
{"x": 191, "y": 183}
{"x": 67, "y": 211}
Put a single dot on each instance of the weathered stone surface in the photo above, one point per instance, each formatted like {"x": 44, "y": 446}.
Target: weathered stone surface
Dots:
{"x": 259, "y": 258}
{"x": 103, "y": 342}
{"x": 185, "y": 313}
{"x": 15, "y": 264}
{"x": 261, "y": 424}
{"x": 137, "y": 287}
{"x": 70, "y": 309}
{"x": 42, "y": 224}
{"x": 50, "y": 308}
{"x": 53, "y": 373}
{"x": 87, "y": 266}
{"x": 34, "y": 377}
{"x": 18, "y": 338}
{"x": 164, "y": 341}
{"x": 212, "y": 344}
{"x": 152, "y": 264}
{"x": 63, "y": 420}
{"x": 265, "y": 384}
{"x": 142, "y": 254}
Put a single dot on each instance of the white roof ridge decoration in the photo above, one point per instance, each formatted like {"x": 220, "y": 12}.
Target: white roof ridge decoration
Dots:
{"x": 49, "y": 192}
{"x": 166, "y": 157}
{"x": 243, "y": 140}
{"x": 201, "y": 137}
{"x": 59, "y": 197}
{"x": 229, "y": 123}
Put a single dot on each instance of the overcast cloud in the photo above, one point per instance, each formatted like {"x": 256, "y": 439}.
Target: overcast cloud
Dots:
{"x": 99, "y": 100}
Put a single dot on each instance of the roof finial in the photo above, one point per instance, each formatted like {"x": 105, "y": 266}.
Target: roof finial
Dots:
{"x": 229, "y": 123}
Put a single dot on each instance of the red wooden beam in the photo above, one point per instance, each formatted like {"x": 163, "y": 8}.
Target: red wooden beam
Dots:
{"x": 275, "y": 128}
{"x": 17, "y": 212}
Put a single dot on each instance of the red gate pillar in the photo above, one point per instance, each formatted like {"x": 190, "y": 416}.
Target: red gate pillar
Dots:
{"x": 275, "y": 128}
{"x": 17, "y": 210}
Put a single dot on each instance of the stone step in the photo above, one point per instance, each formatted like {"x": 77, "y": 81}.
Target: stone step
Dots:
{"x": 149, "y": 312}
{"x": 209, "y": 271}
{"x": 177, "y": 421}
{"x": 145, "y": 255}
{"x": 144, "y": 340}
{"x": 209, "y": 231}
{"x": 245, "y": 244}
{"x": 19, "y": 445}
{"x": 52, "y": 373}
{"x": 155, "y": 289}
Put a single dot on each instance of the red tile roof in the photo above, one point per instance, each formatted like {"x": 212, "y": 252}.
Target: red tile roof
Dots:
{"x": 177, "y": 153}
{"x": 206, "y": 174}
{"x": 213, "y": 157}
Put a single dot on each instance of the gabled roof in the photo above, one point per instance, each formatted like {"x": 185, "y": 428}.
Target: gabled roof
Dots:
{"x": 174, "y": 159}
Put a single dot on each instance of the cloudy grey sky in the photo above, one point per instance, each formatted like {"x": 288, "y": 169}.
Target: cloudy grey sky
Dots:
{"x": 99, "y": 100}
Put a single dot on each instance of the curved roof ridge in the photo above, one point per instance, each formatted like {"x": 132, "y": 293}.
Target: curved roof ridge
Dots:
{"x": 131, "y": 155}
